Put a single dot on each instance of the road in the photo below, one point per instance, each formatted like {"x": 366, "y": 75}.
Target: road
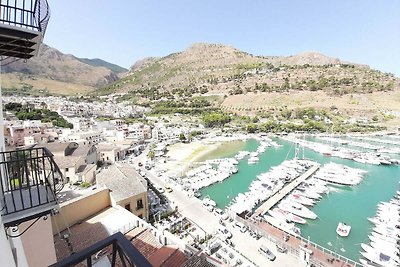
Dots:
{"x": 193, "y": 209}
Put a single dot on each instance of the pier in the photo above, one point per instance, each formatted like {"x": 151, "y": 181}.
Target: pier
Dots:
{"x": 278, "y": 196}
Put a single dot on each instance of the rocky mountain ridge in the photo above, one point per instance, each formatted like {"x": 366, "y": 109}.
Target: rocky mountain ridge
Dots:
{"x": 52, "y": 70}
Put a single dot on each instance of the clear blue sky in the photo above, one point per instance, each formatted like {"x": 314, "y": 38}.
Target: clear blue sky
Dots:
{"x": 123, "y": 31}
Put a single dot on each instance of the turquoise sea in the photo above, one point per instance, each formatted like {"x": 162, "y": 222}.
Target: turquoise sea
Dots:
{"x": 347, "y": 204}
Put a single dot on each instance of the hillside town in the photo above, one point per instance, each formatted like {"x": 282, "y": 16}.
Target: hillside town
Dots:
{"x": 209, "y": 156}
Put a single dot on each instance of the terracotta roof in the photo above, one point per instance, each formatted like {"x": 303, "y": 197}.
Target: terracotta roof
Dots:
{"x": 168, "y": 257}
{"x": 146, "y": 243}
{"x": 157, "y": 254}
{"x": 82, "y": 236}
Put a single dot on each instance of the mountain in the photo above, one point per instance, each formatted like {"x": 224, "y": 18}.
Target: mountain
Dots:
{"x": 221, "y": 69}
{"x": 54, "y": 72}
{"x": 97, "y": 62}
{"x": 245, "y": 83}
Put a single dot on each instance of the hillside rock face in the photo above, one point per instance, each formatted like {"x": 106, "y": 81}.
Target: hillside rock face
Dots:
{"x": 52, "y": 64}
{"x": 224, "y": 69}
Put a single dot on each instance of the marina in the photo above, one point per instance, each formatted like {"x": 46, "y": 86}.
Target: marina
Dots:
{"x": 343, "y": 203}
{"x": 272, "y": 201}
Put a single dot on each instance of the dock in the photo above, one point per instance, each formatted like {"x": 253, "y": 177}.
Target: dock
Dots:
{"x": 278, "y": 196}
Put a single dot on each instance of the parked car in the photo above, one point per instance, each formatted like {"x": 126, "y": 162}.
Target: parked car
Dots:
{"x": 197, "y": 194}
{"x": 281, "y": 248}
{"x": 168, "y": 189}
{"x": 220, "y": 213}
{"x": 240, "y": 226}
{"x": 209, "y": 208}
{"x": 224, "y": 232}
{"x": 263, "y": 250}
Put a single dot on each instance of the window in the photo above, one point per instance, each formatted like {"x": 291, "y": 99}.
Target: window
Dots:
{"x": 139, "y": 204}
{"x": 128, "y": 207}
{"x": 66, "y": 169}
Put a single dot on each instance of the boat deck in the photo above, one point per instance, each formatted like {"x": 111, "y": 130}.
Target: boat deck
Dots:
{"x": 278, "y": 196}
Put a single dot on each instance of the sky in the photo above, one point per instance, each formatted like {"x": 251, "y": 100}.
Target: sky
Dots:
{"x": 124, "y": 31}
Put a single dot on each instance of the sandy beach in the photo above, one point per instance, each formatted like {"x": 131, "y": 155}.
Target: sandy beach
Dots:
{"x": 181, "y": 156}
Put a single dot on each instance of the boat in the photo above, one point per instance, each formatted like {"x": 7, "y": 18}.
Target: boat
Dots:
{"x": 253, "y": 160}
{"x": 290, "y": 216}
{"x": 297, "y": 209}
{"x": 283, "y": 225}
{"x": 343, "y": 229}
{"x": 301, "y": 199}
{"x": 379, "y": 257}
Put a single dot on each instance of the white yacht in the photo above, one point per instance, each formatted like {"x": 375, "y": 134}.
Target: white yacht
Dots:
{"x": 297, "y": 209}
{"x": 301, "y": 199}
{"x": 283, "y": 225}
{"x": 379, "y": 257}
{"x": 280, "y": 213}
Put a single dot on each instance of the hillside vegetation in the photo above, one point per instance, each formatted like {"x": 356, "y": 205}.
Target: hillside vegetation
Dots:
{"x": 248, "y": 84}
{"x": 219, "y": 69}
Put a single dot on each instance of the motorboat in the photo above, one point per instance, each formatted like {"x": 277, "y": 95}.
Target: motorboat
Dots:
{"x": 290, "y": 216}
{"x": 308, "y": 193}
{"x": 297, "y": 209}
{"x": 301, "y": 199}
{"x": 284, "y": 226}
{"x": 343, "y": 229}
{"x": 379, "y": 257}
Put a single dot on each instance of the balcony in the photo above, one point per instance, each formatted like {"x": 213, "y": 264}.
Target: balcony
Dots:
{"x": 30, "y": 180}
{"x": 114, "y": 250}
{"x": 22, "y": 27}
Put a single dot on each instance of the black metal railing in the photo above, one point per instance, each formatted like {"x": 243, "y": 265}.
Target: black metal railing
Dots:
{"x": 29, "y": 178}
{"x": 118, "y": 250}
{"x": 29, "y": 14}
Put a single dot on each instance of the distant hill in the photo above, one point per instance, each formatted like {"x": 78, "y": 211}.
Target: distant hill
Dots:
{"x": 55, "y": 73}
{"x": 245, "y": 83}
{"x": 97, "y": 62}
{"x": 226, "y": 70}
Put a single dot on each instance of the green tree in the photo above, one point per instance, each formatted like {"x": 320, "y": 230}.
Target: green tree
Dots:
{"x": 151, "y": 155}
{"x": 251, "y": 128}
{"x": 182, "y": 137}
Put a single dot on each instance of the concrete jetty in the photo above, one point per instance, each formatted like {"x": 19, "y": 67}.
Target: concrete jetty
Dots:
{"x": 284, "y": 191}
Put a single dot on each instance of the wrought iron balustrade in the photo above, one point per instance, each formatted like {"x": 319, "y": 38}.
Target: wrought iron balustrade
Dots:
{"x": 30, "y": 14}
{"x": 30, "y": 180}
{"x": 118, "y": 250}
{"x": 23, "y": 24}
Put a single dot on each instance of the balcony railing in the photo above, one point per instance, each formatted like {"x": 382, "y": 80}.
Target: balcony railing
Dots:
{"x": 30, "y": 180}
{"x": 118, "y": 250}
{"x": 29, "y": 14}
{"x": 23, "y": 24}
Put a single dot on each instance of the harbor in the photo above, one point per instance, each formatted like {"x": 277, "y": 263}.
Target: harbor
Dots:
{"x": 272, "y": 201}
{"x": 352, "y": 205}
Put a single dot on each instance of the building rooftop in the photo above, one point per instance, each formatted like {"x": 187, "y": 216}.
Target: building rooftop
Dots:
{"x": 93, "y": 230}
{"x": 122, "y": 180}
{"x": 55, "y": 147}
{"x": 167, "y": 256}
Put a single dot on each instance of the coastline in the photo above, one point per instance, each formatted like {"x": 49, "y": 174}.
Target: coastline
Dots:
{"x": 181, "y": 157}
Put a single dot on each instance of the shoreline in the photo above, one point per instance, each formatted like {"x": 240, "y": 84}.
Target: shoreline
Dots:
{"x": 182, "y": 156}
